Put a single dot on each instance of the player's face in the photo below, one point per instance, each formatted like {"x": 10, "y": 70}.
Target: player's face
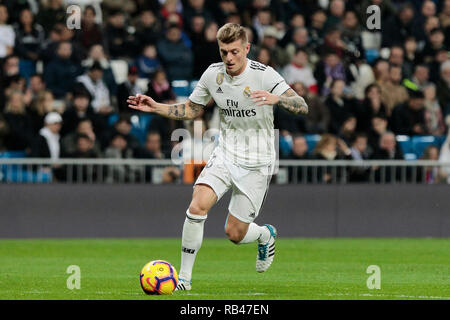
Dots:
{"x": 234, "y": 55}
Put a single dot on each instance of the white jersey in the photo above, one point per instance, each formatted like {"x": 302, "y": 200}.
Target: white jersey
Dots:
{"x": 246, "y": 129}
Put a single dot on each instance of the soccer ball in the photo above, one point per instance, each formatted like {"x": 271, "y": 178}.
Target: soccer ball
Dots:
{"x": 158, "y": 277}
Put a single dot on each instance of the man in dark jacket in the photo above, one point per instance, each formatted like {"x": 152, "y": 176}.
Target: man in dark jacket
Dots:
{"x": 176, "y": 57}
{"x": 409, "y": 118}
{"x": 60, "y": 73}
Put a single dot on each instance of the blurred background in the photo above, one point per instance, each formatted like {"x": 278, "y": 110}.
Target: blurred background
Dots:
{"x": 377, "y": 96}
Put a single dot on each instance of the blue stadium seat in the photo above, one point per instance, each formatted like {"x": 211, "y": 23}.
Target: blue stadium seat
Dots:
{"x": 181, "y": 88}
{"x": 13, "y": 154}
{"x": 419, "y": 144}
{"x": 285, "y": 146}
{"x": 405, "y": 143}
{"x": 311, "y": 141}
{"x": 410, "y": 156}
{"x": 371, "y": 55}
{"x": 113, "y": 119}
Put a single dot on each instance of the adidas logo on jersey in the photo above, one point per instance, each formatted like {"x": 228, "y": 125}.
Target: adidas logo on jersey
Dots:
{"x": 219, "y": 90}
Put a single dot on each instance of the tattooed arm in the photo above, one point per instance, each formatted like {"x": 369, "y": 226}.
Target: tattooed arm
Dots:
{"x": 292, "y": 102}
{"x": 179, "y": 111}
{"x": 289, "y": 100}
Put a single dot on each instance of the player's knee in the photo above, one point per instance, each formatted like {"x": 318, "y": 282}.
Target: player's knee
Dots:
{"x": 195, "y": 208}
{"x": 234, "y": 235}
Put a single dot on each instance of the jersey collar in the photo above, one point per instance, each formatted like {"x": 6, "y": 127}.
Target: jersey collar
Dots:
{"x": 236, "y": 79}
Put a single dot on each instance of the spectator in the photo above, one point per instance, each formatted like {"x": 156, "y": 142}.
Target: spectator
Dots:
{"x": 79, "y": 109}
{"x": 119, "y": 149}
{"x": 336, "y": 13}
{"x": 348, "y": 129}
{"x": 29, "y": 37}
{"x": 195, "y": 8}
{"x": 159, "y": 88}
{"x": 378, "y": 127}
{"x": 359, "y": 152}
{"x": 339, "y": 106}
{"x": 327, "y": 70}
{"x": 85, "y": 148}
{"x": 92, "y": 81}
{"x": 175, "y": 56}
{"x": 392, "y": 92}
{"x": 443, "y": 88}
{"x": 47, "y": 144}
{"x": 412, "y": 56}
{"x": 60, "y": 73}
{"x": 128, "y": 88}
{"x": 296, "y": 22}
{"x": 317, "y": 28}
{"x": 52, "y": 14}
{"x": 330, "y": 148}
{"x": 263, "y": 56}
{"x": 90, "y": 32}
{"x": 20, "y": 134}
{"x": 97, "y": 53}
{"x": 318, "y": 118}
{"x": 206, "y": 51}
{"x": 39, "y": 108}
{"x": 409, "y": 118}
{"x": 7, "y": 35}
{"x": 123, "y": 127}
{"x": 435, "y": 43}
{"x": 299, "y": 152}
{"x": 278, "y": 56}
{"x": 434, "y": 120}
{"x": 299, "y": 70}
{"x": 147, "y": 62}
{"x": 148, "y": 29}
{"x": 430, "y": 174}
{"x": 120, "y": 42}
{"x": 351, "y": 34}
{"x": 152, "y": 147}
{"x": 397, "y": 28}
{"x": 300, "y": 40}
{"x": 84, "y": 127}
{"x": 388, "y": 149}
{"x": 370, "y": 107}
{"x": 420, "y": 78}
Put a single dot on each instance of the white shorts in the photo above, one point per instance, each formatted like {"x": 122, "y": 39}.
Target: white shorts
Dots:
{"x": 249, "y": 186}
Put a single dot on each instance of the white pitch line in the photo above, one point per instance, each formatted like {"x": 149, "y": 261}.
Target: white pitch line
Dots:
{"x": 387, "y": 295}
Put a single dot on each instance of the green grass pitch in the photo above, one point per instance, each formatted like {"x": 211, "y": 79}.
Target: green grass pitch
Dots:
{"x": 303, "y": 269}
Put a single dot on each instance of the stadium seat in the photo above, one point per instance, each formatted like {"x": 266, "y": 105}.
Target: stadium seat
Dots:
{"x": 419, "y": 144}
{"x": 143, "y": 84}
{"x": 410, "y": 156}
{"x": 13, "y": 154}
{"x": 285, "y": 146}
{"x": 181, "y": 88}
{"x": 371, "y": 55}
{"x": 27, "y": 68}
{"x": 120, "y": 70}
{"x": 311, "y": 141}
{"x": 113, "y": 118}
{"x": 405, "y": 143}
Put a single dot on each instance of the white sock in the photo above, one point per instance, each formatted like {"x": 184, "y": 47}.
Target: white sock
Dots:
{"x": 256, "y": 233}
{"x": 191, "y": 242}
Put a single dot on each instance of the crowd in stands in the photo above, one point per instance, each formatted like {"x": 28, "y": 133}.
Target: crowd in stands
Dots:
{"x": 61, "y": 97}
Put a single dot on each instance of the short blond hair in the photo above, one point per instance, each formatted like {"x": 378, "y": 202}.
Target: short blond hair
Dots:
{"x": 231, "y": 32}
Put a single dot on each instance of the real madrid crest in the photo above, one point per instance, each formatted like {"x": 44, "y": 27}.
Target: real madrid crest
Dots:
{"x": 219, "y": 78}
{"x": 247, "y": 92}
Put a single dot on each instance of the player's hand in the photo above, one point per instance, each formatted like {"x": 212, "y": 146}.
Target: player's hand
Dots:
{"x": 142, "y": 103}
{"x": 261, "y": 98}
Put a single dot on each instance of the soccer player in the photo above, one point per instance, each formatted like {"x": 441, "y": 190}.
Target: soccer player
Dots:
{"x": 245, "y": 91}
